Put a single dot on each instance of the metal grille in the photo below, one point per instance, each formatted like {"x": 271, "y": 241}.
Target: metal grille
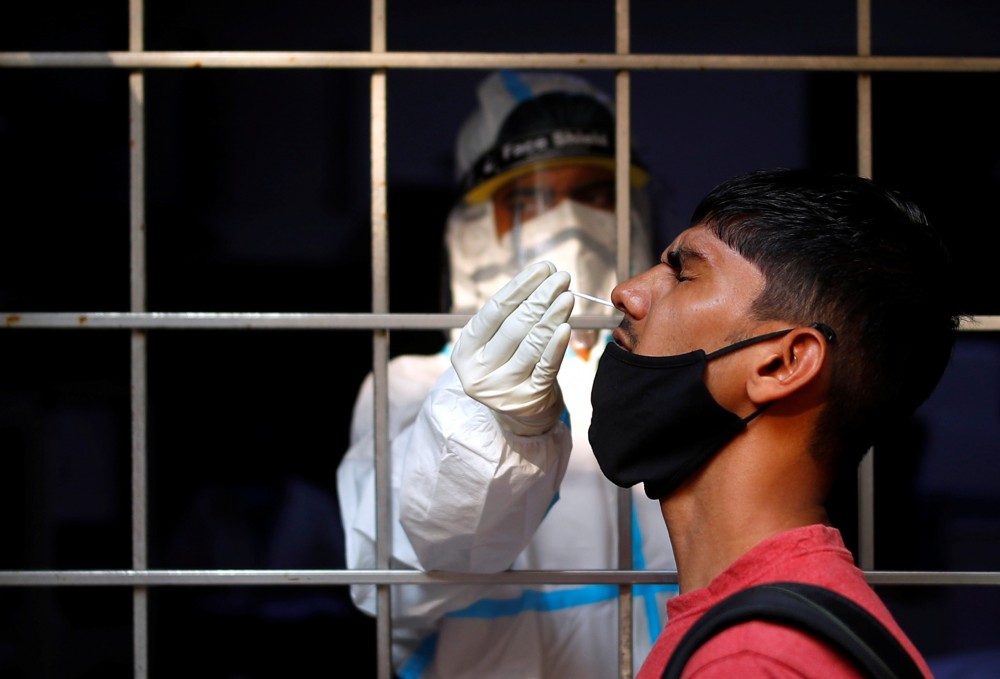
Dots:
{"x": 379, "y": 62}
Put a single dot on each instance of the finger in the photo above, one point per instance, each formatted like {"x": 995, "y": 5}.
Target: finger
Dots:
{"x": 523, "y": 321}
{"x": 538, "y": 337}
{"x": 547, "y": 368}
{"x": 524, "y": 283}
{"x": 482, "y": 327}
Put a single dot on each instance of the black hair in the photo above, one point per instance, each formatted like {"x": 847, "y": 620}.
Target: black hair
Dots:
{"x": 864, "y": 260}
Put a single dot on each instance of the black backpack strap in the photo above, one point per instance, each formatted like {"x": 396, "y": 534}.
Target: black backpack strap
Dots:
{"x": 850, "y": 629}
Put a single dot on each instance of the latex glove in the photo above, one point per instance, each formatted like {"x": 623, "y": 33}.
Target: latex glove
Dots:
{"x": 508, "y": 354}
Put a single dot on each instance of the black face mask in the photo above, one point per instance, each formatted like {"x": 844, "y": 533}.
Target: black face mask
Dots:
{"x": 655, "y": 422}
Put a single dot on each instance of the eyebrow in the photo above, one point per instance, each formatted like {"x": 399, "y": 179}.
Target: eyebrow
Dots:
{"x": 680, "y": 255}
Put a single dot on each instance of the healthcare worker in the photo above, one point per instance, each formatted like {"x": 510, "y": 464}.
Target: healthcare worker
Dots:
{"x": 502, "y": 476}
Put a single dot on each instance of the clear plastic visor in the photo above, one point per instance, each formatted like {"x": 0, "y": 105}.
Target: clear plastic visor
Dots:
{"x": 532, "y": 194}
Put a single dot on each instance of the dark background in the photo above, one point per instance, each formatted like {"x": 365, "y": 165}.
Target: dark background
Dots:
{"x": 258, "y": 200}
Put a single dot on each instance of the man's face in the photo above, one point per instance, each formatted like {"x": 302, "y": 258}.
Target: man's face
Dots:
{"x": 528, "y": 196}
{"x": 697, "y": 297}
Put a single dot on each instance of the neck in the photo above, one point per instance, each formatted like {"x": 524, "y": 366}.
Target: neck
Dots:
{"x": 730, "y": 506}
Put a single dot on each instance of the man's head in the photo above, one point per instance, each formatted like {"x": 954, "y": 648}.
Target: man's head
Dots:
{"x": 791, "y": 248}
{"x": 535, "y": 168}
{"x": 860, "y": 258}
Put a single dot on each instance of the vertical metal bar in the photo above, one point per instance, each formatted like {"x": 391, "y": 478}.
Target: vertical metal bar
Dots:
{"x": 866, "y": 472}
{"x": 864, "y": 84}
{"x": 622, "y": 145}
{"x": 380, "y": 342}
{"x": 137, "y": 296}
{"x": 623, "y": 213}
{"x": 866, "y": 512}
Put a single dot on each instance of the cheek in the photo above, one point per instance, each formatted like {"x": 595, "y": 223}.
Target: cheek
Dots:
{"x": 713, "y": 313}
{"x": 713, "y": 317}
{"x": 726, "y": 381}
{"x": 678, "y": 323}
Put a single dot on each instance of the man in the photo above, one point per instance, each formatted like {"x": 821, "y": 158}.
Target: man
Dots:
{"x": 500, "y": 475}
{"x": 824, "y": 305}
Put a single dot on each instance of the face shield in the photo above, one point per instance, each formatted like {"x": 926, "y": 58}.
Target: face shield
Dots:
{"x": 563, "y": 212}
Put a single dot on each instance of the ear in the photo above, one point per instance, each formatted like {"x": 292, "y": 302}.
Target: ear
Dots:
{"x": 789, "y": 364}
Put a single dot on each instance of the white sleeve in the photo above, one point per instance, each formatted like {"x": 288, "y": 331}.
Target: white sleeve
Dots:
{"x": 474, "y": 494}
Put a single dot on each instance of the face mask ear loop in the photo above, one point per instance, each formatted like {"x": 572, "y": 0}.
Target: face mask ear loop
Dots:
{"x": 745, "y": 343}
{"x": 827, "y": 331}
{"x": 751, "y": 416}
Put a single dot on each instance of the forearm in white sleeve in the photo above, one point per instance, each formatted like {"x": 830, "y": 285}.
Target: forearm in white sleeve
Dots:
{"x": 472, "y": 493}
{"x": 509, "y": 498}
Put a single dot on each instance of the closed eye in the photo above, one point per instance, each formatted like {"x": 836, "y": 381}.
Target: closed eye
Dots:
{"x": 674, "y": 262}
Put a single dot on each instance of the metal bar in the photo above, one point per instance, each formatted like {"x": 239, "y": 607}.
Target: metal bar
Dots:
{"x": 488, "y": 60}
{"x": 138, "y": 359}
{"x": 864, "y": 87}
{"x": 151, "y": 578}
{"x": 183, "y": 320}
{"x": 623, "y": 215}
{"x": 623, "y": 153}
{"x": 866, "y": 470}
{"x": 380, "y": 342}
{"x": 866, "y": 511}
{"x": 238, "y": 321}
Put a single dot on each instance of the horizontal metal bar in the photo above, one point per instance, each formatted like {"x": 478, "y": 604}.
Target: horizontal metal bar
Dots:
{"x": 317, "y": 577}
{"x": 932, "y": 578}
{"x": 400, "y": 577}
{"x": 981, "y": 323}
{"x": 257, "y": 321}
{"x": 228, "y": 321}
{"x": 459, "y": 60}
{"x": 163, "y": 320}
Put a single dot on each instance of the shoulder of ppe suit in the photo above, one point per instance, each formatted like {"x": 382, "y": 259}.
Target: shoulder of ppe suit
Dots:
{"x": 410, "y": 378}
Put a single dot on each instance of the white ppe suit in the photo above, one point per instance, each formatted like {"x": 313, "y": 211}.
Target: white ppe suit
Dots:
{"x": 479, "y": 498}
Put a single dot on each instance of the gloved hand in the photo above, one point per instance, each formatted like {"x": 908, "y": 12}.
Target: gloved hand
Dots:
{"x": 508, "y": 354}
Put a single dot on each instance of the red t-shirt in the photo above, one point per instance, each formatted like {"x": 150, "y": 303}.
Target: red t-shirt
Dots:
{"x": 813, "y": 554}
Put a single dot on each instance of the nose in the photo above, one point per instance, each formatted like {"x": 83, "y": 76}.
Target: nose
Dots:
{"x": 632, "y": 296}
